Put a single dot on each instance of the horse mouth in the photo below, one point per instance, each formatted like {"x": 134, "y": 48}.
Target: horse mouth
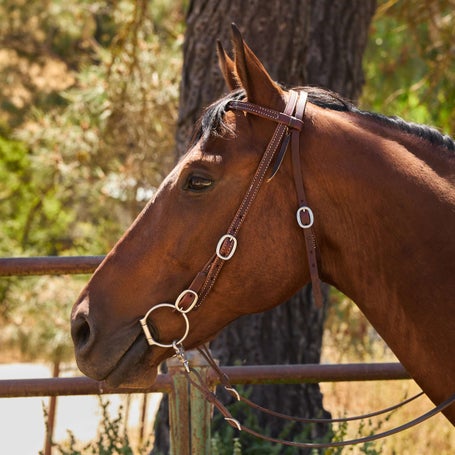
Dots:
{"x": 135, "y": 368}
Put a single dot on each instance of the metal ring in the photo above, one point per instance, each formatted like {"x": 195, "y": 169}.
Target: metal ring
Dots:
{"x": 305, "y": 209}
{"x": 180, "y": 298}
{"x": 150, "y": 340}
{"x": 220, "y": 245}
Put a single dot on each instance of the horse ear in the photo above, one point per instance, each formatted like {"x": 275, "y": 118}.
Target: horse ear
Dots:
{"x": 253, "y": 77}
{"x": 227, "y": 67}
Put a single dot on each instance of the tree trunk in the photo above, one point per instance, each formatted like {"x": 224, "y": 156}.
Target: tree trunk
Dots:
{"x": 300, "y": 42}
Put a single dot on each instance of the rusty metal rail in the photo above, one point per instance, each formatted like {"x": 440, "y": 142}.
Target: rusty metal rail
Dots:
{"x": 46, "y": 387}
{"x": 49, "y": 265}
{"x": 189, "y": 412}
{"x": 265, "y": 374}
{"x": 313, "y": 373}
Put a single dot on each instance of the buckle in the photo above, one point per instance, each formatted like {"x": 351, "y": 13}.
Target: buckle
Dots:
{"x": 220, "y": 245}
{"x": 182, "y": 295}
{"x": 301, "y": 211}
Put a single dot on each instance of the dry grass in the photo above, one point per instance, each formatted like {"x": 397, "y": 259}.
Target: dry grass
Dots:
{"x": 347, "y": 332}
{"x": 435, "y": 436}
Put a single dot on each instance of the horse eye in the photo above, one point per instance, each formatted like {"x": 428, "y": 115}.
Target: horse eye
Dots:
{"x": 198, "y": 183}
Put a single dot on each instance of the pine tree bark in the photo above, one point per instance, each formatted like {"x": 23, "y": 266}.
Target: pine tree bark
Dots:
{"x": 300, "y": 42}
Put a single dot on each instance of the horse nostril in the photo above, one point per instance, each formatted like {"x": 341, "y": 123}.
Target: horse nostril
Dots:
{"x": 80, "y": 331}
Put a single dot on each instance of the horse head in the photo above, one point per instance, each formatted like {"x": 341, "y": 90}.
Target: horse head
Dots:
{"x": 159, "y": 267}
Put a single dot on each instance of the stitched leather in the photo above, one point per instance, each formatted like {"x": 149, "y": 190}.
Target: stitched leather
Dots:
{"x": 206, "y": 279}
{"x": 310, "y": 240}
{"x": 280, "y": 117}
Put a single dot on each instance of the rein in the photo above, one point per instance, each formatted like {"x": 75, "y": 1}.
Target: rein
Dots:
{"x": 289, "y": 126}
{"x": 210, "y": 396}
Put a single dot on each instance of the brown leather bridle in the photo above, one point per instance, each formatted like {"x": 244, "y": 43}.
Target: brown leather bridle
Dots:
{"x": 289, "y": 126}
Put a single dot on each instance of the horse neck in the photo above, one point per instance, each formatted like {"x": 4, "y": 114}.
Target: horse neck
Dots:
{"x": 385, "y": 214}
{"x": 384, "y": 205}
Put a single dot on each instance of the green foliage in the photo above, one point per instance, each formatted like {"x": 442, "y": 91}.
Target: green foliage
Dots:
{"x": 91, "y": 147}
{"x": 409, "y": 64}
{"x": 87, "y": 138}
{"x": 29, "y": 196}
{"x": 35, "y": 316}
{"x": 40, "y": 45}
{"x": 16, "y": 191}
{"x": 87, "y": 122}
{"x": 112, "y": 438}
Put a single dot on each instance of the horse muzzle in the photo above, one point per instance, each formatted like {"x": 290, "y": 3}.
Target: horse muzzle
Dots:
{"x": 121, "y": 357}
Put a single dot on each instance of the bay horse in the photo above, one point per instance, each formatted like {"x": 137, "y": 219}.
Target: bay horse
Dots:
{"x": 380, "y": 202}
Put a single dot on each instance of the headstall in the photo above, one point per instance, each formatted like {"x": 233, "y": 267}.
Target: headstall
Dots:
{"x": 289, "y": 126}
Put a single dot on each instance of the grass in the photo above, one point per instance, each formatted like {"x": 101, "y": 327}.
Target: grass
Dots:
{"x": 435, "y": 436}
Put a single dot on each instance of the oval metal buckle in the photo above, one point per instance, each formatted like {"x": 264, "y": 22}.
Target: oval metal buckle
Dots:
{"x": 182, "y": 296}
{"x": 301, "y": 210}
{"x": 150, "y": 340}
{"x": 220, "y": 245}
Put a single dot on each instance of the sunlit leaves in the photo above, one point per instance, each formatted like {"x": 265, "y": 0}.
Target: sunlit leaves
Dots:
{"x": 95, "y": 139}
{"x": 410, "y": 64}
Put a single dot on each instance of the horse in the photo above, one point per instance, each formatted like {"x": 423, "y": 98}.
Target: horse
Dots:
{"x": 222, "y": 236}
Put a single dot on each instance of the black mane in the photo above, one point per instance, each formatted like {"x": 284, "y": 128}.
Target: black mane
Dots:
{"x": 329, "y": 100}
{"x": 212, "y": 121}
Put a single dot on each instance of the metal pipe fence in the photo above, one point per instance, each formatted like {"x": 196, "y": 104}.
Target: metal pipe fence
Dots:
{"x": 49, "y": 265}
{"x": 264, "y": 374}
{"x": 189, "y": 412}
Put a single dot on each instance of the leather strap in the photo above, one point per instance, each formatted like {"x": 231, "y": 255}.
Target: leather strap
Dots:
{"x": 224, "y": 380}
{"x": 204, "y": 280}
{"x": 285, "y": 117}
{"x": 304, "y": 211}
{"x": 226, "y": 383}
{"x": 252, "y": 191}
{"x": 288, "y": 124}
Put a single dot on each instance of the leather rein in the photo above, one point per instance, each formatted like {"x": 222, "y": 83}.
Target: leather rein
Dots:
{"x": 289, "y": 125}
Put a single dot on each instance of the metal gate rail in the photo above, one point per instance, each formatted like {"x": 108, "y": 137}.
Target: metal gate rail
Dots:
{"x": 49, "y": 265}
{"x": 265, "y": 374}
